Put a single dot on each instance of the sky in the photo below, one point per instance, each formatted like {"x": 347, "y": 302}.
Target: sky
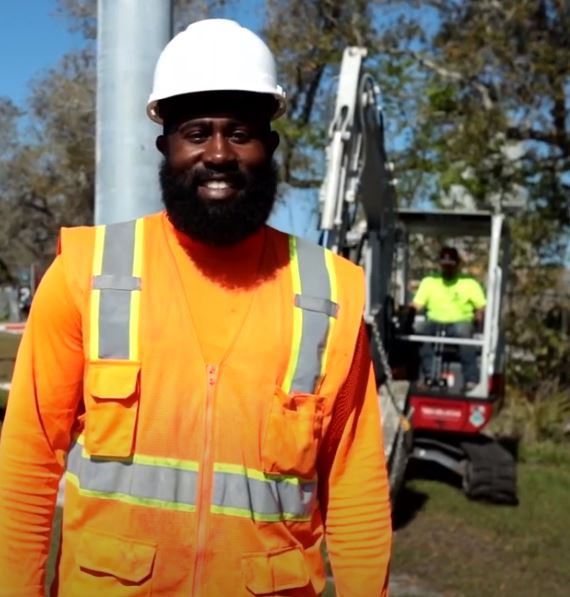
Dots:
{"x": 33, "y": 33}
{"x": 32, "y": 39}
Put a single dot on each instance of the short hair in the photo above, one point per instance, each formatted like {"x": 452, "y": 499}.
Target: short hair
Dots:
{"x": 449, "y": 254}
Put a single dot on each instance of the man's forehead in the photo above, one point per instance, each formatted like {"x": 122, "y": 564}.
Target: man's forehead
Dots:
{"x": 237, "y": 106}
{"x": 215, "y": 116}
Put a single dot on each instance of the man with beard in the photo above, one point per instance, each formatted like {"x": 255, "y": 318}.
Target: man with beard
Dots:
{"x": 454, "y": 304}
{"x": 204, "y": 379}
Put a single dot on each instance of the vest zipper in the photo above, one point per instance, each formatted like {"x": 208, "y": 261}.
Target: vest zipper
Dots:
{"x": 205, "y": 479}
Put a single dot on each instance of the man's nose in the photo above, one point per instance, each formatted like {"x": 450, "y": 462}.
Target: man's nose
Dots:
{"x": 218, "y": 151}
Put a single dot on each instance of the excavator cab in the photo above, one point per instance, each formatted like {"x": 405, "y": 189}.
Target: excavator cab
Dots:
{"x": 491, "y": 235}
{"x": 359, "y": 219}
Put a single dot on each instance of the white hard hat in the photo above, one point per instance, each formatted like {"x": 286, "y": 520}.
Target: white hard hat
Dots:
{"x": 215, "y": 55}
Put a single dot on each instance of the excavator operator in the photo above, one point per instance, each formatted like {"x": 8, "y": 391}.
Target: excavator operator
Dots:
{"x": 454, "y": 305}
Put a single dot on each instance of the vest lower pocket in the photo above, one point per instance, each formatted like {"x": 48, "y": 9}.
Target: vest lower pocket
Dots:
{"x": 274, "y": 572}
{"x": 109, "y": 565}
{"x": 111, "y": 402}
{"x": 293, "y": 434}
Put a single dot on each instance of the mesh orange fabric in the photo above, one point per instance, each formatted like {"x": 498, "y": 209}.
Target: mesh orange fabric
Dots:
{"x": 354, "y": 389}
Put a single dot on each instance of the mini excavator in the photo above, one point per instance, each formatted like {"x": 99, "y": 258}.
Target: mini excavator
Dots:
{"x": 360, "y": 219}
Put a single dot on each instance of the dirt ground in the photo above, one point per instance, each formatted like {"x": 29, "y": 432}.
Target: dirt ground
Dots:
{"x": 447, "y": 545}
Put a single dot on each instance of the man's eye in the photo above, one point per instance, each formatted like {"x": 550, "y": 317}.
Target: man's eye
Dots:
{"x": 195, "y": 136}
{"x": 240, "y": 136}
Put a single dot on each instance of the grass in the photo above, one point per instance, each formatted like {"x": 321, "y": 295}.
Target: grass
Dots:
{"x": 8, "y": 346}
{"x": 456, "y": 547}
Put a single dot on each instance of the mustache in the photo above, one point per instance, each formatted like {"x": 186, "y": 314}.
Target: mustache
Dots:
{"x": 192, "y": 178}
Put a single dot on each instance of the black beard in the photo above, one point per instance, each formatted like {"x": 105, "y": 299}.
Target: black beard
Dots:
{"x": 219, "y": 223}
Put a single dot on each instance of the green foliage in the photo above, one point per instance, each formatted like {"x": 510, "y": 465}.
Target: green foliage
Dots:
{"x": 549, "y": 453}
{"x": 540, "y": 418}
{"x": 3, "y": 399}
{"x": 308, "y": 38}
{"x": 442, "y": 99}
{"x": 8, "y": 347}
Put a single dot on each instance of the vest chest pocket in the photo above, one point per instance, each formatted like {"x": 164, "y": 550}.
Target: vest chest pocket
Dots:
{"x": 117, "y": 566}
{"x": 112, "y": 398}
{"x": 282, "y": 572}
{"x": 292, "y": 435}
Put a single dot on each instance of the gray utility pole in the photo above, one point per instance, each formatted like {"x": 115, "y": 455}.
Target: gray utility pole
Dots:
{"x": 130, "y": 36}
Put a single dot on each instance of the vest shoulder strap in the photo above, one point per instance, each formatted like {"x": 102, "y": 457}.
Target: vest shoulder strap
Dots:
{"x": 103, "y": 265}
{"x": 114, "y": 309}
{"x": 327, "y": 316}
{"x": 315, "y": 309}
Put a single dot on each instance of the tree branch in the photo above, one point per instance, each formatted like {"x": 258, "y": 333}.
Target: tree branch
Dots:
{"x": 304, "y": 183}
{"x": 311, "y": 94}
{"x": 444, "y": 73}
{"x": 551, "y": 138}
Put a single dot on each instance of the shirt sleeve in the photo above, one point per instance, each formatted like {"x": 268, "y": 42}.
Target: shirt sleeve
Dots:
{"x": 354, "y": 491}
{"x": 422, "y": 297}
{"x": 42, "y": 405}
{"x": 477, "y": 295}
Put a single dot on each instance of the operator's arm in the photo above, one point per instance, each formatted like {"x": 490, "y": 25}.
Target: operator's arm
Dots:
{"x": 354, "y": 491}
{"x": 46, "y": 389}
{"x": 479, "y": 302}
{"x": 421, "y": 298}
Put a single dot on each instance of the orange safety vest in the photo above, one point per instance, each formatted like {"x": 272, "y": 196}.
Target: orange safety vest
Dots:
{"x": 194, "y": 478}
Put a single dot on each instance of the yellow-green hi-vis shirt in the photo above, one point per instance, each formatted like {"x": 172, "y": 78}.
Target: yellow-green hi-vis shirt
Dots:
{"x": 450, "y": 301}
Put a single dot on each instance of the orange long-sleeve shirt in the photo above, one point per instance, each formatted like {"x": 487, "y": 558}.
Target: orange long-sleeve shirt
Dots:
{"x": 45, "y": 403}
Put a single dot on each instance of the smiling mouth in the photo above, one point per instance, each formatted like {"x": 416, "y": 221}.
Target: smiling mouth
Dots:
{"x": 217, "y": 190}
{"x": 217, "y": 184}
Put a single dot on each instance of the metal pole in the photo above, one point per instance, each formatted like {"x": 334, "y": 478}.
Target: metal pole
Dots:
{"x": 130, "y": 37}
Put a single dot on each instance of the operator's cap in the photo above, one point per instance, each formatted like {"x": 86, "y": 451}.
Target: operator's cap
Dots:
{"x": 449, "y": 256}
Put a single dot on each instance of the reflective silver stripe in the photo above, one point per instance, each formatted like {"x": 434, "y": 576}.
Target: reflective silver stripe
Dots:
{"x": 118, "y": 250}
{"x": 269, "y": 499}
{"x": 115, "y": 283}
{"x": 310, "y": 303}
{"x": 114, "y": 313}
{"x": 315, "y": 286}
{"x": 146, "y": 483}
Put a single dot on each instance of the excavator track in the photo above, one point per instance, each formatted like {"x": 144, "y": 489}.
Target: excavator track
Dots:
{"x": 490, "y": 472}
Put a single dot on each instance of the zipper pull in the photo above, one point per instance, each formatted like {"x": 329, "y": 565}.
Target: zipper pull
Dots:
{"x": 211, "y": 371}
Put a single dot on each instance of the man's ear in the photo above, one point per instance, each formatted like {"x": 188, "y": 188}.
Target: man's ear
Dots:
{"x": 162, "y": 144}
{"x": 272, "y": 141}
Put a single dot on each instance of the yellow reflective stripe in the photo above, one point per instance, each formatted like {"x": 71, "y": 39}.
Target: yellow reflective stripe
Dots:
{"x": 295, "y": 265}
{"x": 134, "y": 325}
{"x": 329, "y": 262}
{"x": 96, "y": 294}
{"x": 125, "y": 498}
{"x": 297, "y": 317}
{"x": 94, "y": 324}
{"x": 243, "y": 513}
{"x": 134, "y": 317}
{"x": 138, "y": 248}
{"x": 185, "y": 465}
{"x": 240, "y": 469}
